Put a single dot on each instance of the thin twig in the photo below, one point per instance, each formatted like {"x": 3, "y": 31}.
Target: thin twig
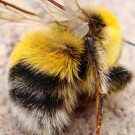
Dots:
{"x": 128, "y": 42}
{"x": 16, "y": 7}
{"x": 99, "y": 111}
{"x": 56, "y": 4}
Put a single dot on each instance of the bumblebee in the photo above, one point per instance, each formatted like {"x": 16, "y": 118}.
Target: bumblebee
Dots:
{"x": 73, "y": 53}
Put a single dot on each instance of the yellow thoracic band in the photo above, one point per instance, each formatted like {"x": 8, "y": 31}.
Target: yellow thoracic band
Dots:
{"x": 49, "y": 52}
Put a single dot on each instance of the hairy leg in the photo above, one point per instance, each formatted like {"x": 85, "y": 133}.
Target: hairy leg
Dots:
{"x": 119, "y": 78}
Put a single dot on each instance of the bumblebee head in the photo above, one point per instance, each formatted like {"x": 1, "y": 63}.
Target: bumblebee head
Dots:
{"x": 105, "y": 30}
{"x": 104, "y": 24}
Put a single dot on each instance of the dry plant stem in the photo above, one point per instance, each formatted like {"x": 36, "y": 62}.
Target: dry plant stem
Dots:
{"x": 129, "y": 42}
{"x": 99, "y": 111}
{"x": 16, "y": 7}
{"x": 56, "y": 4}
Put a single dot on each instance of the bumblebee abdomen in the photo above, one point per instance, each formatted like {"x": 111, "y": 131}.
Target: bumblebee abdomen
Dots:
{"x": 34, "y": 90}
{"x": 40, "y": 99}
{"x": 44, "y": 68}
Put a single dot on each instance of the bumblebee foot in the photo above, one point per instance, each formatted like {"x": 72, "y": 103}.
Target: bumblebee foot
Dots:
{"x": 119, "y": 78}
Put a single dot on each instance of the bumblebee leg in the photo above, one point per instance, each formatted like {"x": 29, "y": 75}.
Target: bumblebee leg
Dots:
{"x": 99, "y": 111}
{"x": 83, "y": 101}
{"x": 119, "y": 78}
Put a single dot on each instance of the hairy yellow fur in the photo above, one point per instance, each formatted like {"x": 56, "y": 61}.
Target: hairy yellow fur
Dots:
{"x": 112, "y": 34}
{"x": 113, "y": 42}
{"x": 70, "y": 66}
{"x": 50, "y": 51}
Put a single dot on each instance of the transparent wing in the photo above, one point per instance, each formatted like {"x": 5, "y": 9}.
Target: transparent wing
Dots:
{"x": 76, "y": 18}
{"x": 41, "y": 8}
{"x": 57, "y": 12}
{"x": 42, "y": 12}
{"x": 46, "y": 12}
{"x": 81, "y": 30}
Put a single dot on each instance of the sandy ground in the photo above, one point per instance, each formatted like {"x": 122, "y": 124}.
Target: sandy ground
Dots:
{"x": 119, "y": 117}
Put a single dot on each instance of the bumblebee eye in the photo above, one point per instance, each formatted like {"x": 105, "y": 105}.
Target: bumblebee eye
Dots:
{"x": 100, "y": 25}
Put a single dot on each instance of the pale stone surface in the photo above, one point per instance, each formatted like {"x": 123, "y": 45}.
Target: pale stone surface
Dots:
{"x": 119, "y": 117}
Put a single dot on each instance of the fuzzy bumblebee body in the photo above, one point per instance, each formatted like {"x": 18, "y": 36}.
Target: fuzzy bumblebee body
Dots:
{"x": 51, "y": 67}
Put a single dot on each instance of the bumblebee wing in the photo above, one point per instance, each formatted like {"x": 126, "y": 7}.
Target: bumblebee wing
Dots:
{"x": 76, "y": 18}
{"x": 47, "y": 11}
{"x": 42, "y": 9}
{"x": 40, "y": 13}
{"x": 71, "y": 8}
{"x": 58, "y": 13}
{"x": 71, "y": 14}
{"x": 44, "y": 12}
{"x": 81, "y": 30}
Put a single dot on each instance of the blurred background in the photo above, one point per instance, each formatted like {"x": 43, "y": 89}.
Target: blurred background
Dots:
{"x": 119, "y": 112}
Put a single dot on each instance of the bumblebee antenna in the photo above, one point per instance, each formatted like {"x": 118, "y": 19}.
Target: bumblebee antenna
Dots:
{"x": 128, "y": 42}
{"x": 56, "y": 4}
{"x": 90, "y": 19}
{"x": 62, "y": 7}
